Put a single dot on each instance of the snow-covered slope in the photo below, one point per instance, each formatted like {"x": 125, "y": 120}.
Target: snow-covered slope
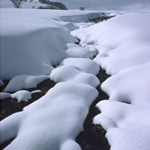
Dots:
{"x": 124, "y": 51}
{"x": 33, "y": 39}
{"x": 107, "y": 4}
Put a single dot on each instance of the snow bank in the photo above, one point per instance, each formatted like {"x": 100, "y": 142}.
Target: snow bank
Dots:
{"x": 131, "y": 47}
{"x": 107, "y": 4}
{"x": 124, "y": 52}
{"x": 38, "y": 125}
{"x": 69, "y": 73}
{"x": 127, "y": 125}
{"x": 24, "y": 82}
{"x": 130, "y": 85}
{"x": 29, "y": 41}
{"x": 82, "y": 64}
{"x": 81, "y": 52}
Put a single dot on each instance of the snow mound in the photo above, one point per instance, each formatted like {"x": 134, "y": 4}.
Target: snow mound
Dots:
{"x": 81, "y": 52}
{"x": 82, "y": 64}
{"x": 130, "y": 85}
{"x": 107, "y": 4}
{"x": 69, "y": 73}
{"x": 31, "y": 41}
{"x": 38, "y": 125}
{"x": 127, "y": 125}
{"x": 131, "y": 47}
{"x": 24, "y": 82}
{"x": 21, "y": 95}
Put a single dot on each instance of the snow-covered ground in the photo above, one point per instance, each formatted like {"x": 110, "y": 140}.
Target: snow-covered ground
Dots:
{"x": 124, "y": 52}
{"x": 40, "y": 44}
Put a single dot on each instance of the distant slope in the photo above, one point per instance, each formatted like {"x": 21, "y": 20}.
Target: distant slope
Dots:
{"x": 106, "y": 4}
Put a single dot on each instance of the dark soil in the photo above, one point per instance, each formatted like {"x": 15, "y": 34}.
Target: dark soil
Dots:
{"x": 93, "y": 136}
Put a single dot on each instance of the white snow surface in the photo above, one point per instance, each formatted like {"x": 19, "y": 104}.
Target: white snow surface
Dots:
{"x": 21, "y": 95}
{"x": 36, "y": 39}
{"x": 107, "y": 4}
{"x": 82, "y": 64}
{"x": 131, "y": 47}
{"x": 24, "y": 82}
{"x": 29, "y": 41}
{"x": 52, "y": 122}
{"x": 81, "y": 52}
{"x": 124, "y": 52}
{"x": 71, "y": 74}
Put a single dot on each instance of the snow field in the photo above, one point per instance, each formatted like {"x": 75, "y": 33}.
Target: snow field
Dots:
{"x": 123, "y": 45}
{"x": 53, "y": 121}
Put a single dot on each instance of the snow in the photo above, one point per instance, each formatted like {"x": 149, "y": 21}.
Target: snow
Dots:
{"x": 1, "y": 83}
{"x": 80, "y": 52}
{"x": 24, "y": 82}
{"x": 130, "y": 85}
{"x": 69, "y": 73}
{"x": 131, "y": 47}
{"x": 123, "y": 45}
{"x": 107, "y": 4}
{"x": 47, "y": 116}
{"x": 34, "y": 41}
{"x": 31, "y": 37}
{"x": 82, "y": 64}
{"x": 22, "y": 95}
{"x": 6, "y": 4}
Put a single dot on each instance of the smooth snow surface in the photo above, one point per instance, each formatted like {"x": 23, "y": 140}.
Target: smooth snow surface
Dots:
{"x": 131, "y": 47}
{"x": 38, "y": 34}
{"x": 124, "y": 52}
{"x": 24, "y": 37}
{"x": 80, "y": 52}
{"x": 52, "y": 122}
{"x": 68, "y": 73}
{"x": 107, "y": 4}
{"x": 24, "y": 82}
{"x": 82, "y": 64}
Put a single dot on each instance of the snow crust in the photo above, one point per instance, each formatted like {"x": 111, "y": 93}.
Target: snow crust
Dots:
{"x": 47, "y": 116}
